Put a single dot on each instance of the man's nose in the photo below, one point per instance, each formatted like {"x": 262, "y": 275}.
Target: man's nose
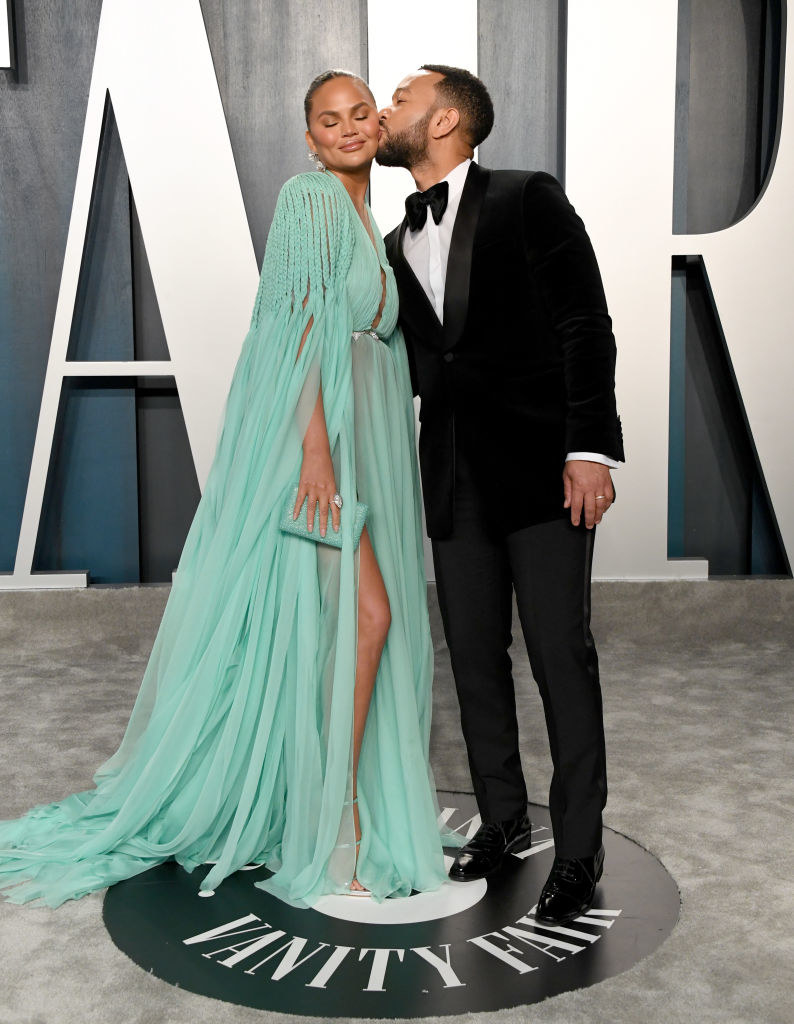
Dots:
{"x": 383, "y": 114}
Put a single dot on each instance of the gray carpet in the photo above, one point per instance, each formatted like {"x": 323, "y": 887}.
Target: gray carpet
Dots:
{"x": 697, "y": 686}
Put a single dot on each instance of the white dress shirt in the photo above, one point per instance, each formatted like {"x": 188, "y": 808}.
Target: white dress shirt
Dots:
{"x": 427, "y": 253}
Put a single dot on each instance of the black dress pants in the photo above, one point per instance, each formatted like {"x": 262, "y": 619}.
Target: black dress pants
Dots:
{"x": 548, "y": 566}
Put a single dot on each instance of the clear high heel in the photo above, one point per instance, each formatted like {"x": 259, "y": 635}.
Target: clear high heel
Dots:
{"x": 350, "y": 891}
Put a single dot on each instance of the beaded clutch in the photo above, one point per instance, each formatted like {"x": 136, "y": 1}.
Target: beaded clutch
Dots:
{"x": 298, "y": 528}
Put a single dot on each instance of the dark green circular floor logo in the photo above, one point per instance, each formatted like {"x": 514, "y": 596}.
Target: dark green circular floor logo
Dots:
{"x": 468, "y": 946}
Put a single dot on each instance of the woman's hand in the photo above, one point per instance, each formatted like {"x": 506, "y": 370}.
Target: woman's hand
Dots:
{"x": 318, "y": 484}
{"x": 317, "y": 480}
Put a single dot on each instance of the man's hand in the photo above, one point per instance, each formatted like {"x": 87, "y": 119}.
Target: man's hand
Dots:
{"x": 588, "y": 488}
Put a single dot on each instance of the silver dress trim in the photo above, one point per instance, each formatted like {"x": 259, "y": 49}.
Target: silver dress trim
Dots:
{"x": 371, "y": 334}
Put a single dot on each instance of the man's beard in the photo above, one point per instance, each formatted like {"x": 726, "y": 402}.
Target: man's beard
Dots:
{"x": 406, "y": 149}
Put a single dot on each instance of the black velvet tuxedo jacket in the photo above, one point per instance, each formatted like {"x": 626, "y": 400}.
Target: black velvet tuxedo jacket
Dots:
{"x": 522, "y": 370}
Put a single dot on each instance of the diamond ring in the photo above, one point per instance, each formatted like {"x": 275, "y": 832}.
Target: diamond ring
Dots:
{"x": 337, "y": 500}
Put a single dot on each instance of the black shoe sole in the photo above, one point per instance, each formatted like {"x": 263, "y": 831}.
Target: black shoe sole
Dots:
{"x": 564, "y": 920}
{"x": 516, "y": 846}
{"x": 473, "y": 878}
{"x": 578, "y": 913}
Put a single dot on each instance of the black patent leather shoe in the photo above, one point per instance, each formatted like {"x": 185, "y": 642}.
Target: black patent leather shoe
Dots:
{"x": 570, "y": 889}
{"x": 489, "y": 846}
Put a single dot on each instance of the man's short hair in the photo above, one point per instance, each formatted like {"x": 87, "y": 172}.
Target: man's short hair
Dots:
{"x": 464, "y": 91}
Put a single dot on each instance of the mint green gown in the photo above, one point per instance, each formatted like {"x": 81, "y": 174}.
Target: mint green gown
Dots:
{"x": 239, "y": 746}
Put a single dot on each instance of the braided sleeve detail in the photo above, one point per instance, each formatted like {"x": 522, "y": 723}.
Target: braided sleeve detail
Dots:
{"x": 309, "y": 246}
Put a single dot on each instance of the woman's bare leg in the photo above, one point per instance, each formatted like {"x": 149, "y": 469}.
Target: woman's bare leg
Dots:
{"x": 374, "y": 619}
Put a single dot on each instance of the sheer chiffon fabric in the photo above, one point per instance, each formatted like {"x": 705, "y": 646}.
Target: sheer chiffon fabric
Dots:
{"x": 239, "y": 746}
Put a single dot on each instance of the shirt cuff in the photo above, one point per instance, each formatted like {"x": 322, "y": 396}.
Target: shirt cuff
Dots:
{"x": 592, "y": 457}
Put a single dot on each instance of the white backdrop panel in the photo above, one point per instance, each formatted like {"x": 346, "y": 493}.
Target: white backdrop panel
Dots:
{"x": 619, "y": 145}
{"x": 620, "y": 137}
{"x": 5, "y": 36}
{"x": 621, "y": 68}
{"x": 448, "y": 36}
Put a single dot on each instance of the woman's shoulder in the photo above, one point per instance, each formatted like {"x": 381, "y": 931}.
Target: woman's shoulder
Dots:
{"x": 310, "y": 183}
{"x": 312, "y": 216}
{"x": 315, "y": 197}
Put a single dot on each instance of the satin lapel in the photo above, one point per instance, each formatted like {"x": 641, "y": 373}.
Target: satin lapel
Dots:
{"x": 415, "y": 307}
{"x": 456, "y": 289}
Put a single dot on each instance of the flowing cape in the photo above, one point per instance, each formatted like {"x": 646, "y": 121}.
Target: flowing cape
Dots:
{"x": 238, "y": 748}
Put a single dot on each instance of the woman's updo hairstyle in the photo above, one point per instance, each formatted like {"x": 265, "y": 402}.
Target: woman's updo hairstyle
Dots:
{"x": 326, "y": 76}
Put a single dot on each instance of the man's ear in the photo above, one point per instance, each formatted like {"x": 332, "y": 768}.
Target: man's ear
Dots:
{"x": 444, "y": 121}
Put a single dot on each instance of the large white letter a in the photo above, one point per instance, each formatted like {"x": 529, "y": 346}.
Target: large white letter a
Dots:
{"x": 154, "y": 61}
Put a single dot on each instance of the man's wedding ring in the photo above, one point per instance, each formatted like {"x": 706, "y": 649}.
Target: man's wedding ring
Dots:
{"x": 337, "y": 500}
{"x": 600, "y": 497}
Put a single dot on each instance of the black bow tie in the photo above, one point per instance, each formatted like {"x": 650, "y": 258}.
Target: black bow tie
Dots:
{"x": 416, "y": 205}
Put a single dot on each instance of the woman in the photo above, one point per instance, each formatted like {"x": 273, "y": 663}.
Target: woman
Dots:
{"x": 247, "y": 741}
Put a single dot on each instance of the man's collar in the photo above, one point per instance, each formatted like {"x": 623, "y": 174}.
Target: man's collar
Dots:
{"x": 457, "y": 177}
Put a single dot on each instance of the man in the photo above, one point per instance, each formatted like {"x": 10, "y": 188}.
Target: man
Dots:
{"x": 513, "y": 358}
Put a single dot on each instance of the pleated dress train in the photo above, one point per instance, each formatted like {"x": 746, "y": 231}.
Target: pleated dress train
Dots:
{"x": 239, "y": 746}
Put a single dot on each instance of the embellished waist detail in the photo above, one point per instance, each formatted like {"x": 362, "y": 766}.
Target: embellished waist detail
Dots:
{"x": 369, "y": 334}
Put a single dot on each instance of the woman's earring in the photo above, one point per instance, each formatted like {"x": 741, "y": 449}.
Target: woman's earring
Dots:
{"x": 315, "y": 159}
